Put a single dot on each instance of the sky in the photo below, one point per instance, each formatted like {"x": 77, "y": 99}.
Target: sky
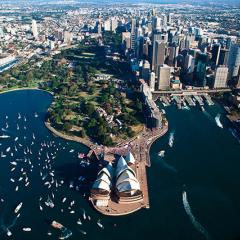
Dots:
{"x": 125, "y": 1}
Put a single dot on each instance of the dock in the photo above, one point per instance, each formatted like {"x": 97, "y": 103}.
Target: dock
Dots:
{"x": 208, "y": 100}
{"x": 178, "y": 101}
{"x": 199, "y": 100}
{"x": 189, "y": 101}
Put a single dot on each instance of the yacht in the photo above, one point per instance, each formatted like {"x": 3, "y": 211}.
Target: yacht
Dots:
{"x": 17, "y": 209}
{"x": 161, "y": 153}
{"x": 99, "y": 224}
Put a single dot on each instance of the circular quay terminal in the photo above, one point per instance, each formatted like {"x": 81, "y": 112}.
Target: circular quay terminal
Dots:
{"x": 119, "y": 119}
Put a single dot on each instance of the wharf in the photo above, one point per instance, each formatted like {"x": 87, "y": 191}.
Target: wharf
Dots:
{"x": 199, "y": 100}
{"x": 208, "y": 100}
{"x": 189, "y": 100}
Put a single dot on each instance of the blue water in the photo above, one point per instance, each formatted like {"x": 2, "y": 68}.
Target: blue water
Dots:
{"x": 203, "y": 162}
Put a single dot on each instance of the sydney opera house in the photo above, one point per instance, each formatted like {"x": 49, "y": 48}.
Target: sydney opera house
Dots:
{"x": 117, "y": 184}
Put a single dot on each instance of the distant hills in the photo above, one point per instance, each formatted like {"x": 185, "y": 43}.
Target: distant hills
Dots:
{"x": 123, "y": 1}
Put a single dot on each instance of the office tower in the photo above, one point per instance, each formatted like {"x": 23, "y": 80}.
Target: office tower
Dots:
{"x": 223, "y": 57}
{"x": 99, "y": 28}
{"x": 189, "y": 63}
{"x": 169, "y": 18}
{"x": 107, "y": 25}
{"x": 34, "y": 29}
{"x": 114, "y": 24}
{"x": 220, "y": 78}
{"x": 139, "y": 48}
{"x": 1, "y": 33}
{"x": 154, "y": 12}
{"x": 158, "y": 54}
{"x": 152, "y": 81}
{"x": 200, "y": 69}
{"x": 67, "y": 37}
{"x": 163, "y": 77}
{"x": 164, "y": 20}
{"x": 155, "y": 37}
{"x": 145, "y": 70}
{"x": 133, "y": 33}
{"x": 171, "y": 55}
{"x": 126, "y": 36}
{"x": 156, "y": 24}
{"x": 216, "y": 53}
{"x": 234, "y": 60}
{"x": 228, "y": 43}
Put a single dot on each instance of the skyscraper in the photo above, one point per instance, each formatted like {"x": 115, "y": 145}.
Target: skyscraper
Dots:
{"x": 216, "y": 53}
{"x": 234, "y": 60}
{"x": 34, "y": 29}
{"x": 220, "y": 78}
{"x": 155, "y": 37}
{"x": 133, "y": 34}
{"x": 159, "y": 55}
{"x": 200, "y": 69}
{"x": 163, "y": 77}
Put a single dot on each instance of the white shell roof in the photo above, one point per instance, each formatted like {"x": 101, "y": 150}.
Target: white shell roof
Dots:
{"x": 128, "y": 186}
{"x": 108, "y": 170}
{"x": 100, "y": 184}
{"x": 121, "y": 166}
{"x": 126, "y": 176}
{"x": 130, "y": 158}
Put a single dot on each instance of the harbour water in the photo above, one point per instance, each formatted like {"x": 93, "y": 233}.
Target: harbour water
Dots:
{"x": 194, "y": 189}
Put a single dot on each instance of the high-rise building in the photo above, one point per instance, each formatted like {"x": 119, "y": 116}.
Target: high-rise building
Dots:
{"x": 159, "y": 54}
{"x": 114, "y": 24}
{"x": 155, "y": 37}
{"x": 133, "y": 33}
{"x": 163, "y": 77}
{"x": 126, "y": 36}
{"x": 145, "y": 70}
{"x": 152, "y": 81}
{"x": 200, "y": 69}
{"x": 220, "y": 78}
{"x": 216, "y": 53}
{"x": 169, "y": 18}
{"x": 234, "y": 60}
{"x": 223, "y": 57}
{"x": 34, "y": 29}
{"x": 67, "y": 37}
{"x": 107, "y": 25}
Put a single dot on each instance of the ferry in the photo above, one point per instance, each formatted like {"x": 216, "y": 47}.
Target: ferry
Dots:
{"x": 4, "y": 136}
{"x": 18, "y": 207}
{"x": 65, "y": 232}
{"x": 27, "y": 229}
{"x": 161, "y": 153}
{"x": 99, "y": 224}
{"x": 81, "y": 155}
{"x": 217, "y": 120}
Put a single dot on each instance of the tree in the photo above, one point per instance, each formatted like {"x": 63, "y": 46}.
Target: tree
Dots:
{"x": 67, "y": 126}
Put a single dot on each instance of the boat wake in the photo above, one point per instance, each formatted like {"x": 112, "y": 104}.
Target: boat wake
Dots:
{"x": 194, "y": 221}
{"x": 171, "y": 139}
{"x": 5, "y": 228}
{"x": 167, "y": 166}
{"x": 217, "y": 120}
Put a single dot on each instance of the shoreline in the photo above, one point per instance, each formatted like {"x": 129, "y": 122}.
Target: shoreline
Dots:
{"x": 141, "y": 145}
{"x": 26, "y": 88}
